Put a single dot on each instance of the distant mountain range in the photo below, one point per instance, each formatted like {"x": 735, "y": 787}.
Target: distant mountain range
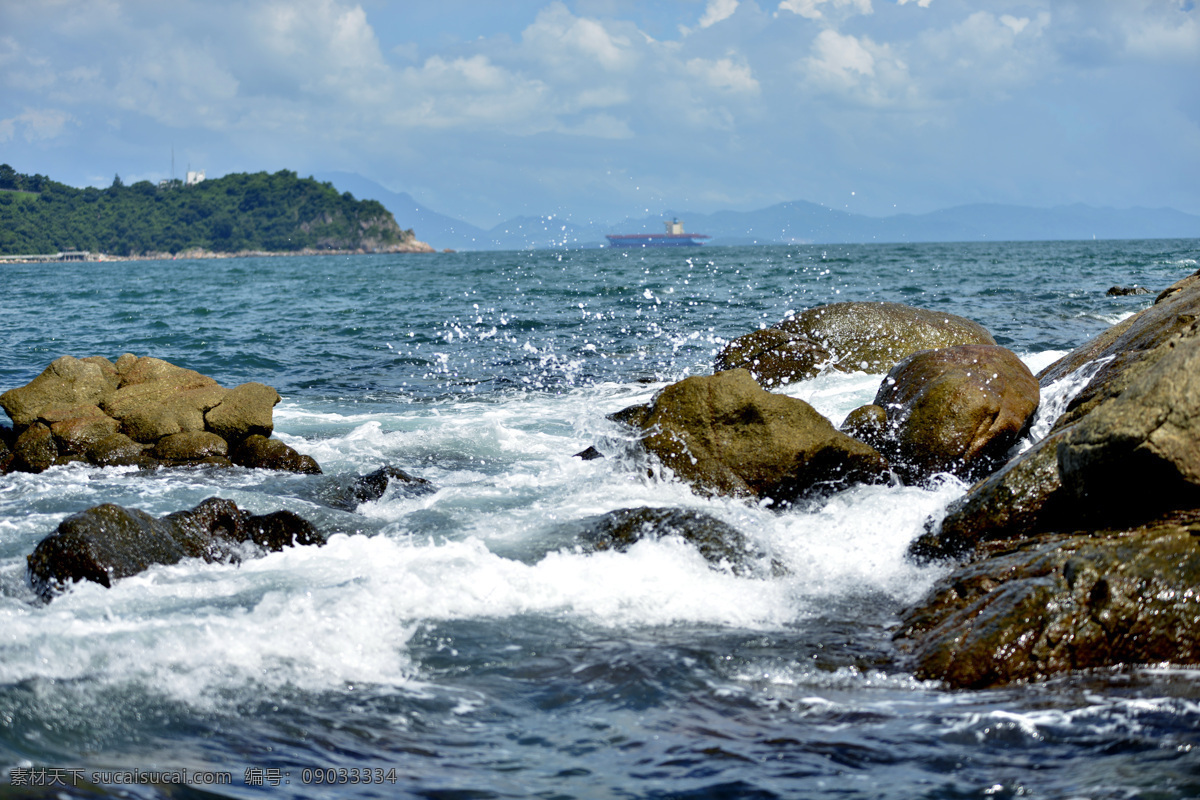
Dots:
{"x": 789, "y": 223}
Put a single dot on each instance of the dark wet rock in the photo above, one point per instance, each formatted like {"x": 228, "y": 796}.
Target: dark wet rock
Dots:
{"x": 719, "y": 542}
{"x": 108, "y": 542}
{"x": 849, "y": 337}
{"x": 727, "y": 435}
{"x": 348, "y": 492}
{"x": 1023, "y": 498}
{"x": 87, "y": 402}
{"x": 372, "y": 486}
{"x": 957, "y": 409}
{"x": 632, "y": 416}
{"x": 34, "y": 450}
{"x": 1144, "y": 443}
{"x": 1128, "y": 348}
{"x": 1059, "y": 603}
{"x": 6, "y": 453}
{"x": 590, "y": 454}
{"x": 259, "y": 452}
{"x": 867, "y": 424}
{"x": 1124, "y": 291}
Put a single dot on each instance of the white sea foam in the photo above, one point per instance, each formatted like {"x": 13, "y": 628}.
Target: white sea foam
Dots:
{"x": 493, "y": 541}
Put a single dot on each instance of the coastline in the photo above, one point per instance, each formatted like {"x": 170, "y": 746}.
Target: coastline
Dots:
{"x": 414, "y": 246}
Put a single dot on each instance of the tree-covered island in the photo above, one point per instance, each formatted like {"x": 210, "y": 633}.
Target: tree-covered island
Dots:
{"x": 241, "y": 212}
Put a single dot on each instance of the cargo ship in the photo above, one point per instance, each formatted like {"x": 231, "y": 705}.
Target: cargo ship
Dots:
{"x": 674, "y": 237}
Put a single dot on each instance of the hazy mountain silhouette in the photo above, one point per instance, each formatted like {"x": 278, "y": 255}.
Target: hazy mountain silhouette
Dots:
{"x": 791, "y": 222}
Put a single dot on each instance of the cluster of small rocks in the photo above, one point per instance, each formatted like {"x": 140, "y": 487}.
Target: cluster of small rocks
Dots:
{"x": 142, "y": 412}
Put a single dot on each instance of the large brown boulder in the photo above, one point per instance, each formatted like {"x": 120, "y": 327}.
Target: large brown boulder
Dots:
{"x": 849, "y": 337}
{"x": 1120, "y": 353}
{"x": 727, "y": 435}
{"x": 1059, "y": 603}
{"x": 108, "y": 542}
{"x": 957, "y": 409}
{"x": 67, "y": 381}
{"x": 1144, "y": 443}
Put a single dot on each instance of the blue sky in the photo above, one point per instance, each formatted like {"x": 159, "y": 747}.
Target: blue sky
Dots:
{"x": 597, "y": 110}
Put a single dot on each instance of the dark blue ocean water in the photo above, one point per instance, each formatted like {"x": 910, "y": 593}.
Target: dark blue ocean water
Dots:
{"x": 459, "y": 644}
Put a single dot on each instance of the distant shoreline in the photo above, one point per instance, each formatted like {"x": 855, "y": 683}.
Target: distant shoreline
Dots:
{"x": 200, "y": 253}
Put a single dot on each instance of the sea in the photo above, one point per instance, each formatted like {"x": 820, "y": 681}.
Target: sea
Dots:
{"x": 462, "y": 644}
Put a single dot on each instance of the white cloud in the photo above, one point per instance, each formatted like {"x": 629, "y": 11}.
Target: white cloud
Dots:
{"x": 716, "y": 11}
{"x": 811, "y": 9}
{"x": 982, "y": 54}
{"x": 559, "y": 37}
{"x": 38, "y": 124}
{"x": 725, "y": 74}
{"x": 920, "y": 3}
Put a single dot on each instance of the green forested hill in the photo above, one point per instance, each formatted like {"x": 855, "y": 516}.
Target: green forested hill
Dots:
{"x": 278, "y": 212}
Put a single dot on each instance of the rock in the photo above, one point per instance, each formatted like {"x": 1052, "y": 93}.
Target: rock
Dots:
{"x": 190, "y": 446}
{"x": 868, "y": 424}
{"x": 108, "y": 542}
{"x": 590, "y": 454}
{"x": 117, "y": 450}
{"x": 1144, "y": 443}
{"x": 720, "y": 543}
{"x": 1023, "y": 498}
{"x": 871, "y": 337}
{"x": 957, "y": 409}
{"x": 140, "y": 411}
{"x": 1127, "y": 348}
{"x": 34, "y": 450}
{"x": 774, "y": 357}
{"x": 1123, "y": 291}
{"x": 1062, "y": 603}
{"x": 67, "y": 381}
{"x": 244, "y": 411}
{"x": 171, "y": 404}
{"x": 259, "y": 452}
{"x": 6, "y": 453}
{"x": 1178, "y": 286}
{"x": 77, "y": 435}
{"x": 372, "y": 486}
{"x": 725, "y": 434}
{"x": 349, "y": 492}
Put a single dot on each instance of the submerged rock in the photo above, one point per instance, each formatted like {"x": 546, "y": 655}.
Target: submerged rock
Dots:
{"x": 109, "y": 542}
{"x": 1125, "y": 291}
{"x": 727, "y": 435}
{"x": 163, "y": 415}
{"x": 1060, "y": 603}
{"x": 849, "y": 337}
{"x": 719, "y": 542}
{"x": 956, "y": 409}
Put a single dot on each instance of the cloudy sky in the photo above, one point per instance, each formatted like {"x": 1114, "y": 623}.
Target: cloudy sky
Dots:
{"x": 601, "y": 109}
